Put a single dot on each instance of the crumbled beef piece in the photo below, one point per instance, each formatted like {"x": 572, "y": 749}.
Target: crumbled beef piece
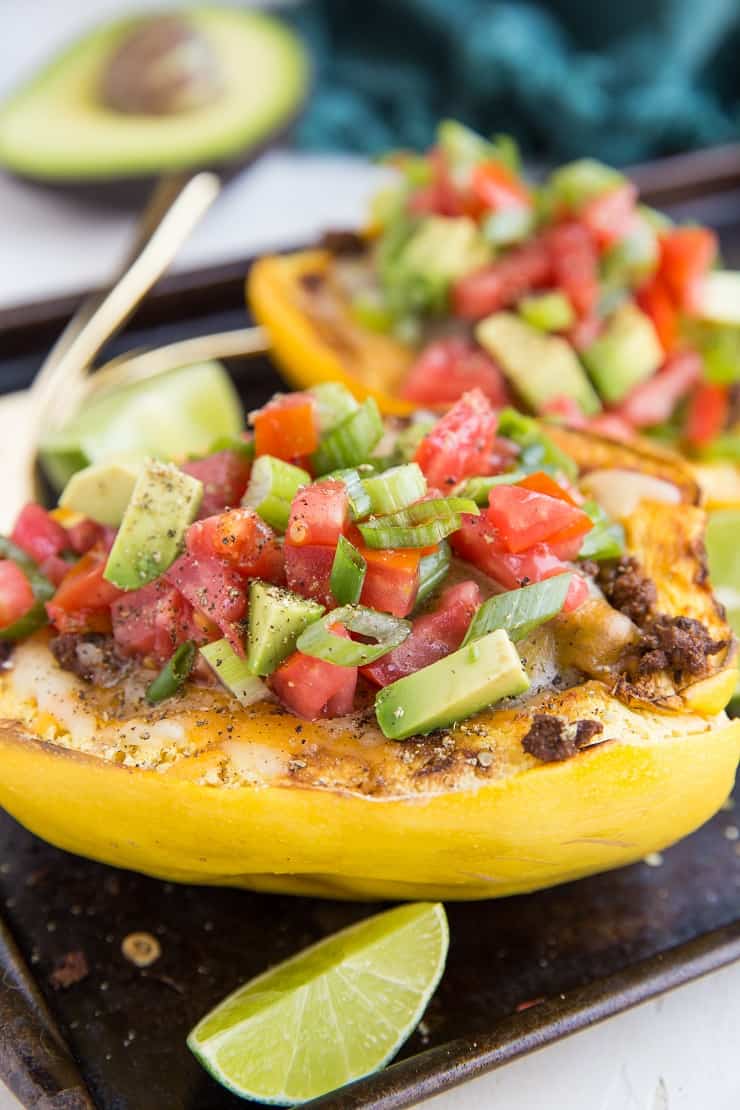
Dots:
{"x": 627, "y": 589}
{"x": 551, "y": 740}
{"x": 71, "y": 969}
{"x": 343, "y": 242}
{"x": 91, "y": 656}
{"x": 311, "y": 281}
{"x": 678, "y": 644}
{"x": 589, "y": 567}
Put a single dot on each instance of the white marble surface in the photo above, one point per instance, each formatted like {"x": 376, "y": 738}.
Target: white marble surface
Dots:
{"x": 679, "y": 1052}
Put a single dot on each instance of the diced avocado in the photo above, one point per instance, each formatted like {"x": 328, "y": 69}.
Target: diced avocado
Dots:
{"x": 633, "y": 258}
{"x": 547, "y": 311}
{"x": 445, "y": 248}
{"x": 259, "y": 76}
{"x": 540, "y": 367}
{"x": 717, "y": 297}
{"x": 276, "y": 619}
{"x": 434, "y": 253}
{"x": 464, "y": 147}
{"x": 578, "y": 182}
{"x": 453, "y": 688}
{"x": 101, "y": 491}
{"x": 163, "y": 503}
{"x": 626, "y": 353}
{"x": 172, "y": 415}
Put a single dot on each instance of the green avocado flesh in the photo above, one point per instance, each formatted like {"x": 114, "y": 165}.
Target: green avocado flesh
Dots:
{"x": 453, "y": 688}
{"x": 57, "y": 128}
{"x": 169, "y": 416}
{"x": 101, "y": 491}
{"x": 164, "y": 502}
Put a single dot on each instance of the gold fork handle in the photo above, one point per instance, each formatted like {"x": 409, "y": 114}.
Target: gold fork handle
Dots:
{"x": 54, "y": 388}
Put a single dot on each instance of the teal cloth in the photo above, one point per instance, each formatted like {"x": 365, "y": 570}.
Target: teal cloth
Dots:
{"x": 623, "y": 80}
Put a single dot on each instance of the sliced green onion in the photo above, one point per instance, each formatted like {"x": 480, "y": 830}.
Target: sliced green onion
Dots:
{"x": 359, "y": 501}
{"x": 421, "y": 525}
{"x": 578, "y": 182}
{"x": 347, "y": 573}
{"x": 370, "y": 311}
{"x": 173, "y": 674}
{"x": 725, "y": 446}
{"x": 233, "y": 672}
{"x": 519, "y": 612}
{"x": 547, "y": 311}
{"x": 408, "y": 439}
{"x": 273, "y": 484}
{"x": 352, "y": 440}
{"x": 243, "y": 447}
{"x": 42, "y": 588}
{"x": 334, "y": 403}
{"x": 606, "y": 538}
{"x": 526, "y": 432}
{"x": 509, "y": 225}
{"x": 432, "y": 571}
{"x": 320, "y": 642}
{"x": 478, "y": 489}
{"x": 395, "y": 488}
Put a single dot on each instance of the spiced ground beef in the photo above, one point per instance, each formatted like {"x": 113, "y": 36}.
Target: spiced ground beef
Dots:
{"x": 91, "y": 656}
{"x": 552, "y": 740}
{"x": 678, "y": 644}
{"x": 627, "y": 589}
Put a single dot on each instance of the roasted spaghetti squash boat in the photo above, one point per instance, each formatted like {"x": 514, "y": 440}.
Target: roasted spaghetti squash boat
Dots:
{"x": 456, "y": 659}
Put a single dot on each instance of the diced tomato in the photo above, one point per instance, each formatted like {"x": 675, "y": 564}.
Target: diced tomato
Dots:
{"x": 543, "y": 483}
{"x": 38, "y": 534}
{"x": 313, "y": 688}
{"x": 585, "y": 331}
{"x": 152, "y": 621}
{"x": 523, "y": 517}
{"x": 433, "y": 636}
{"x": 686, "y": 254}
{"x": 55, "y": 569}
{"x": 574, "y": 265}
{"x": 707, "y": 414}
{"x": 224, "y": 477}
{"x": 214, "y": 588}
{"x": 653, "y": 401}
{"x": 461, "y": 443}
{"x": 654, "y": 298}
{"x": 441, "y": 196}
{"x": 503, "y": 282}
{"x": 16, "y": 595}
{"x": 83, "y": 599}
{"x": 479, "y": 542}
{"x": 567, "y": 409}
{"x": 391, "y": 581}
{"x": 84, "y": 535}
{"x": 578, "y": 591}
{"x": 242, "y": 538}
{"x": 287, "y": 426}
{"x": 610, "y": 216}
{"x": 308, "y": 571}
{"x": 494, "y": 187}
{"x": 319, "y": 514}
{"x": 611, "y": 425}
{"x": 447, "y": 368}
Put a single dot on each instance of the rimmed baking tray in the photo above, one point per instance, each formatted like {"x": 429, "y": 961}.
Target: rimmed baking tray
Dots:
{"x": 522, "y": 971}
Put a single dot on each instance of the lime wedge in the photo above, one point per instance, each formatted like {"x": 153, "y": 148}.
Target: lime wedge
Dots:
{"x": 175, "y": 414}
{"x": 723, "y": 550}
{"x": 333, "y": 1013}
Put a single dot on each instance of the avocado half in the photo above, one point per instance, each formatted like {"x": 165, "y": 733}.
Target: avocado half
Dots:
{"x": 58, "y": 128}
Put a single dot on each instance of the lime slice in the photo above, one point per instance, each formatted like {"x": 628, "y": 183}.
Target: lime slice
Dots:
{"x": 723, "y": 550}
{"x": 333, "y": 1013}
{"x": 169, "y": 416}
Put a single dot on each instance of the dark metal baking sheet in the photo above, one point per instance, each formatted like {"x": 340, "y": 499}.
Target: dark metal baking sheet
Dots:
{"x": 522, "y": 971}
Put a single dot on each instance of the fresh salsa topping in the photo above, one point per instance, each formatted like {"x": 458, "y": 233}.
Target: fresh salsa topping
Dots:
{"x": 568, "y": 297}
{"x": 345, "y": 559}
